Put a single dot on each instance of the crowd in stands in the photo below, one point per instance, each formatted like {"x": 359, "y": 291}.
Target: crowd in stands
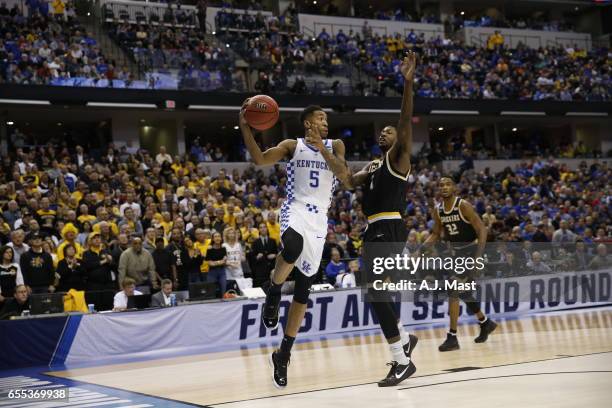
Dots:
{"x": 457, "y": 148}
{"x": 461, "y": 20}
{"x": 71, "y": 221}
{"x": 448, "y": 68}
{"x": 47, "y": 47}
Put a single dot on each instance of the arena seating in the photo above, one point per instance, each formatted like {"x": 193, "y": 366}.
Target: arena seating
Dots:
{"x": 526, "y": 203}
{"x": 173, "y": 52}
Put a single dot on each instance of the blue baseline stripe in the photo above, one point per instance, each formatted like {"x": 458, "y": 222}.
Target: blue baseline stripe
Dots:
{"x": 65, "y": 342}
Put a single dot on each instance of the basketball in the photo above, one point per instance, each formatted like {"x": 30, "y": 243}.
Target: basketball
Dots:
{"x": 261, "y": 112}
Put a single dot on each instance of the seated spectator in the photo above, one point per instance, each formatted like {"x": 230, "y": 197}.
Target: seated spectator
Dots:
{"x": 120, "y": 302}
{"x": 601, "y": 260}
{"x": 334, "y": 267}
{"x": 347, "y": 279}
{"x": 163, "y": 297}
{"x": 536, "y": 265}
{"x": 17, "y": 305}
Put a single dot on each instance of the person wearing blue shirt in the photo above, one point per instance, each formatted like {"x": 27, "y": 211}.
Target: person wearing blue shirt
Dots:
{"x": 323, "y": 36}
{"x": 334, "y": 267}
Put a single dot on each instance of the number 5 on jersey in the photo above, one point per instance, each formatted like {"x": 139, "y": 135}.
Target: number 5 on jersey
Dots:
{"x": 314, "y": 178}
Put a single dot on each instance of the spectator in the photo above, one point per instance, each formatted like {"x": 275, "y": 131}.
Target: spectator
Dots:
{"x": 235, "y": 255}
{"x": 330, "y": 244}
{"x": 18, "y": 245}
{"x": 162, "y": 156}
{"x": 120, "y": 302}
{"x": 347, "y": 279}
{"x": 495, "y": 40}
{"x": 601, "y": 260}
{"x": 99, "y": 277}
{"x": 137, "y": 264}
{"x": 190, "y": 270}
{"x": 10, "y": 273}
{"x": 217, "y": 260}
{"x": 563, "y": 235}
{"x": 273, "y": 227}
{"x": 536, "y": 265}
{"x": 334, "y": 267}
{"x": 262, "y": 256}
{"x": 37, "y": 267}
{"x": 163, "y": 297}
{"x": 69, "y": 234}
{"x": 581, "y": 258}
{"x": 164, "y": 261}
{"x": 17, "y": 305}
{"x": 71, "y": 271}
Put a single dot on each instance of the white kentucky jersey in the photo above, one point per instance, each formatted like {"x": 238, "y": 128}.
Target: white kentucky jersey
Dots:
{"x": 309, "y": 180}
{"x": 310, "y": 188}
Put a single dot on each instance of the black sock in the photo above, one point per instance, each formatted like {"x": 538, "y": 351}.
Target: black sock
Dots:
{"x": 274, "y": 289}
{"x": 453, "y": 332}
{"x": 287, "y": 344}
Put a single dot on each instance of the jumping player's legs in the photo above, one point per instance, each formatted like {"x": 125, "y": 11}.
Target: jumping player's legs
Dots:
{"x": 280, "y": 358}
{"x": 292, "y": 246}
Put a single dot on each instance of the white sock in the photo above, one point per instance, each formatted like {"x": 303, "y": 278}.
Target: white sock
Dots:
{"x": 483, "y": 320}
{"x": 397, "y": 352}
{"x": 403, "y": 334}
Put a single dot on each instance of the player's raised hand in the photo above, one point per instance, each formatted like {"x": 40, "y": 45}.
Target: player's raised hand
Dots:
{"x": 241, "y": 116}
{"x": 408, "y": 66}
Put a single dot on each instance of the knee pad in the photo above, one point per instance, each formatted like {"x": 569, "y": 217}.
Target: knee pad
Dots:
{"x": 302, "y": 287}
{"x": 293, "y": 243}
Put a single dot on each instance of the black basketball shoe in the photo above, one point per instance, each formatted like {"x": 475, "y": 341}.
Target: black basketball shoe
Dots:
{"x": 451, "y": 343}
{"x": 410, "y": 346}
{"x": 486, "y": 328}
{"x": 397, "y": 374}
{"x": 279, "y": 363}
{"x": 269, "y": 313}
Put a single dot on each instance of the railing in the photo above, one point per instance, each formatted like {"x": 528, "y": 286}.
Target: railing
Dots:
{"x": 138, "y": 12}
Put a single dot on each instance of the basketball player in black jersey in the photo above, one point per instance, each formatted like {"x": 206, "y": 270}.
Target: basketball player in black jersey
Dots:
{"x": 384, "y": 184}
{"x": 456, "y": 220}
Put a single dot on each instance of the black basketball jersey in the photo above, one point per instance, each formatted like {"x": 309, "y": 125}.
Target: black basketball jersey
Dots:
{"x": 456, "y": 228}
{"x": 385, "y": 189}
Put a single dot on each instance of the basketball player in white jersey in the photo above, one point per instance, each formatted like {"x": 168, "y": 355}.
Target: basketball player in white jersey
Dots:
{"x": 303, "y": 217}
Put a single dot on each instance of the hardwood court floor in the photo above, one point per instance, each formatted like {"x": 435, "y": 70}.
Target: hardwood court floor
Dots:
{"x": 561, "y": 359}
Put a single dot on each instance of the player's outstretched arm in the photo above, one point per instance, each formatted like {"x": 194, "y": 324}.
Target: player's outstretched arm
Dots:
{"x": 470, "y": 214}
{"x": 272, "y": 155}
{"x": 400, "y": 153}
